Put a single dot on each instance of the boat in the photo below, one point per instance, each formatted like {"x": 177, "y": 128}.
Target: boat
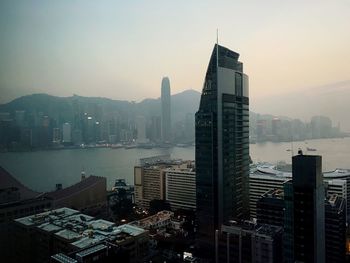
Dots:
{"x": 288, "y": 150}
{"x": 130, "y": 146}
{"x": 117, "y": 146}
{"x": 311, "y": 149}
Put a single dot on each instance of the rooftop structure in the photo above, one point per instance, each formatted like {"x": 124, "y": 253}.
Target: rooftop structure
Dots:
{"x": 89, "y": 193}
{"x": 161, "y": 219}
{"x": 155, "y": 160}
{"x": 68, "y": 230}
{"x": 62, "y": 258}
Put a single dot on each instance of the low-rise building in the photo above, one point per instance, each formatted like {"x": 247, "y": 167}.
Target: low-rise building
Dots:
{"x": 70, "y": 232}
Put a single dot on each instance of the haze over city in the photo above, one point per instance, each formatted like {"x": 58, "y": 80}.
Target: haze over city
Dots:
{"x": 120, "y": 50}
{"x": 174, "y": 131}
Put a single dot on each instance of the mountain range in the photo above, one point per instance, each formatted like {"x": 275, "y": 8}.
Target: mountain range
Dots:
{"x": 182, "y": 103}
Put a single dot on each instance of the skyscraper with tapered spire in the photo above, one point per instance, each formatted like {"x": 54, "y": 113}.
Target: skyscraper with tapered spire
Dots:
{"x": 222, "y": 146}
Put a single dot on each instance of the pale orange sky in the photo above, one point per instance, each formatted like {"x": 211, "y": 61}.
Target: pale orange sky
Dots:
{"x": 122, "y": 49}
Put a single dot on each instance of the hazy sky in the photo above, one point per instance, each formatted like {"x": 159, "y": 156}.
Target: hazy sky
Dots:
{"x": 121, "y": 49}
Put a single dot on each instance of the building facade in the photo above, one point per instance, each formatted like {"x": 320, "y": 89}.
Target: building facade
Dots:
{"x": 335, "y": 225}
{"x": 222, "y": 146}
{"x": 248, "y": 242}
{"x": 180, "y": 188}
{"x": 271, "y": 208}
{"x": 160, "y": 178}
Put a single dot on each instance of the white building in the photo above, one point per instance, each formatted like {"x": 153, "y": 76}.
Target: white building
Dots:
{"x": 180, "y": 188}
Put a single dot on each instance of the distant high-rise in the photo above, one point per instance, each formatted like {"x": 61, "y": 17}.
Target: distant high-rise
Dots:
{"x": 222, "y": 146}
{"x": 166, "y": 114}
{"x": 66, "y": 132}
{"x": 141, "y": 129}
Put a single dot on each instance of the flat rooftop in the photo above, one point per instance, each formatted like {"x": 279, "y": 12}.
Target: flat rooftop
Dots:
{"x": 277, "y": 171}
{"x": 62, "y": 258}
{"x": 154, "y": 219}
{"x": 78, "y": 229}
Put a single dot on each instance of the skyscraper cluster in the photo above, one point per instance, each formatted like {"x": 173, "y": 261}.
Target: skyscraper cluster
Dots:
{"x": 50, "y": 122}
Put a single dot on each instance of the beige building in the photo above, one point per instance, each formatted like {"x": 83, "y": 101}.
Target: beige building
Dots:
{"x": 150, "y": 179}
{"x": 149, "y": 184}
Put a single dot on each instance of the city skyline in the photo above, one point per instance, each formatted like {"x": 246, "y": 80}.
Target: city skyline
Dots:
{"x": 102, "y": 159}
{"x": 65, "y": 48}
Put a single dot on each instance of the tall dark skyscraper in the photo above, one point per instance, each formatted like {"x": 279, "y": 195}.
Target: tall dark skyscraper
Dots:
{"x": 309, "y": 209}
{"x": 222, "y": 146}
{"x": 166, "y": 114}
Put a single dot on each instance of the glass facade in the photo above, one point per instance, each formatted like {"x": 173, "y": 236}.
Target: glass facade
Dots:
{"x": 222, "y": 146}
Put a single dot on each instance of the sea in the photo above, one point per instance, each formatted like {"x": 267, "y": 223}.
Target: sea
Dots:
{"x": 42, "y": 170}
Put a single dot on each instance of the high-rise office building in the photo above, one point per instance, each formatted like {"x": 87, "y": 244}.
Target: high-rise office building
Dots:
{"x": 166, "y": 113}
{"x": 309, "y": 209}
{"x": 222, "y": 146}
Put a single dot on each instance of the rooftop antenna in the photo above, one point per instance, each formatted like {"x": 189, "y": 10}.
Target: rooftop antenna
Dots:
{"x": 217, "y": 49}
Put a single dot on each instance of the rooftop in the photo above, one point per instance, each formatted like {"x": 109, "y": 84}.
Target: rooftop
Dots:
{"x": 88, "y": 182}
{"x": 8, "y": 181}
{"x": 78, "y": 229}
{"x": 63, "y": 258}
{"x": 274, "y": 193}
{"x": 277, "y": 171}
{"x": 152, "y": 220}
{"x": 268, "y": 230}
{"x": 91, "y": 250}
